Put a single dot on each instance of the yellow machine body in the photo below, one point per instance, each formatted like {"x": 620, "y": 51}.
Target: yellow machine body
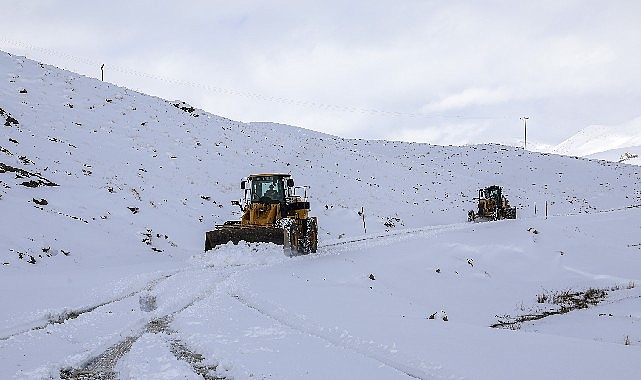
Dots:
{"x": 272, "y": 212}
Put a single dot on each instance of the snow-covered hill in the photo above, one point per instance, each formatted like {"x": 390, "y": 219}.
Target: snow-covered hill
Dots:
{"x": 603, "y": 142}
{"x": 629, "y": 155}
{"x": 106, "y": 194}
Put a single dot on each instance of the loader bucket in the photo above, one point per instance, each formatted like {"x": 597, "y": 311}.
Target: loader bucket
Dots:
{"x": 236, "y": 233}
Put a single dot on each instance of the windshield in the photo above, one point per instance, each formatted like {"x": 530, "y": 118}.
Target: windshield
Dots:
{"x": 492, "y": 193}
{"x": 267, "y": 189}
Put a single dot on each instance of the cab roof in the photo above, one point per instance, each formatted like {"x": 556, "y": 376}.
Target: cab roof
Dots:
{"x": 270, "y": 175}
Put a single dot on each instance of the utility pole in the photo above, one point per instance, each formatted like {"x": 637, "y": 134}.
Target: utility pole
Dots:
{"x": 524, "y": 118}
{"x": 102, "y": 72}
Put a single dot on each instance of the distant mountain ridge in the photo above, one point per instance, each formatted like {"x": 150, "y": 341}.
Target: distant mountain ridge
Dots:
{"x": 604, "y": 142}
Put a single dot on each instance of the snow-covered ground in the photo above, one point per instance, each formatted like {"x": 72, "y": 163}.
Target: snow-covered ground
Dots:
{"x": 105, "y": 196}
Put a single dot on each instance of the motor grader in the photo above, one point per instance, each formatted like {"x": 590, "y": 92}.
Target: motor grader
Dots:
{"x": 273, "y": 212}
{"x": 492, "y": 205}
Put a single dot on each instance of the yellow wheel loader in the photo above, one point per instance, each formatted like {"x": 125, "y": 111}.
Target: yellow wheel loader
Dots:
{"x": 492, "y": 205}
{"x": 273, "y": 212}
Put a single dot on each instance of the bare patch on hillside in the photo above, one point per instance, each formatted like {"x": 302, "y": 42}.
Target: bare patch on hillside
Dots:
{"x": 559, "y": 302}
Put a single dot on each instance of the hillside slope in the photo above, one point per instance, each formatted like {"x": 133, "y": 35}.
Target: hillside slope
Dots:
{"x": 111, "y": 149}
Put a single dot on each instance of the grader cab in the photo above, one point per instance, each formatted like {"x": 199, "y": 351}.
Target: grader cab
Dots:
{"x": 273, "y": 212}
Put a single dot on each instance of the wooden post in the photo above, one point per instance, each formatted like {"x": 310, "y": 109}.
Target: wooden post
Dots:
{"x": 546, "y": 209}
{"x": 102, "y": 72}
{"x": 363, "y": 215}
{"x": 524, "y": 118}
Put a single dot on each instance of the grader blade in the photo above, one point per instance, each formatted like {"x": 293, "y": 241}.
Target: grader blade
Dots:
{"x": 250, "y": 234}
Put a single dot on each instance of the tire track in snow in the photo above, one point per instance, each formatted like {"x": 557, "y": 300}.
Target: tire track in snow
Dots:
{"x": 101, "y": 367}
{"x": 182, "y": 352}
{"x": 408, "y": 233}
{"x": 365, "y": 347}
{"x": 66, "y": 315}
{"x": 394, "y": 236}
{"x": 344, "y": 340}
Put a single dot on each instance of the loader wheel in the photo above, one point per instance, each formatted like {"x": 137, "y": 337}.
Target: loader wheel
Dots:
{"x": 470, "y": 216}
{"x": 300, "y": 238}
{"x": 289, "y": 238}
{"x": 303, "y": 242}
{"x": 311, "y": 235}
{"x": 308, "y": 242}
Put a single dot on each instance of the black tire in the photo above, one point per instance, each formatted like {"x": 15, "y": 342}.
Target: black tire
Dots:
{"x": 312, "y": 234}
{"x": 308, "y": 236}
{"x": 289, "y": 239}
{"x": 303, "y": 243}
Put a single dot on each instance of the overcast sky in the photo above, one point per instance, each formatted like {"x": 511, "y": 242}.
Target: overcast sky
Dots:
{"x": 443, "y": 72}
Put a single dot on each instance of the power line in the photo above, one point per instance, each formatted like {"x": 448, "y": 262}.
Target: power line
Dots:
{"x": 240, "y": 93}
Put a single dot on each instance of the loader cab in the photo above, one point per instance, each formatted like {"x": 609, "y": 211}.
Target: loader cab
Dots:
{"x": 268, "y": 188}
{"x": 492, "y": 192}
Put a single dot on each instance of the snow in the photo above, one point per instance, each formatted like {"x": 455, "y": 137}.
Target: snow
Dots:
{"x": 604, "y": 142}
{"x": 630, "y": 155}
{"x": 109, "y": 276}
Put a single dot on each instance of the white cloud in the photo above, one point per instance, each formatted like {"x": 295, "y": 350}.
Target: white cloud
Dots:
{"x": 467, "y": 98}
{"x": 356, "y": 67}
